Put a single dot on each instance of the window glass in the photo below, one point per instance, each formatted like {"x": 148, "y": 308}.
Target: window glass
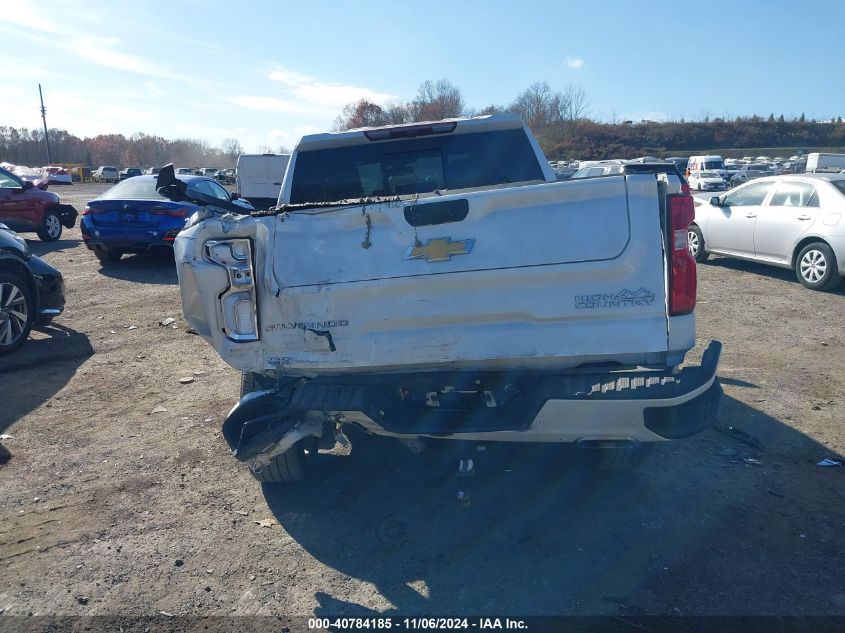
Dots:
{"x": 792, "y": 194}
{"x": 752, "y": 195}
{"x": 840, "y": 185}
{"x": 138, "y": 188}
{"x": 8, "y": 181}
{"x": 203, "y": 186}
{"x": 217, "y": 191}
{"x": 421, "y": 165}
{"x": 713, "y": 164}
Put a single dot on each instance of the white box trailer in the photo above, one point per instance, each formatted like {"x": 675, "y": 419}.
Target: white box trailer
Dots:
{"x": 820, "y": 162}
{"x": 259, "y": 178}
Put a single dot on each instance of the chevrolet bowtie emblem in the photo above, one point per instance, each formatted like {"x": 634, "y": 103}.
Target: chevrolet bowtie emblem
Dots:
{"x": 440, "y": 249}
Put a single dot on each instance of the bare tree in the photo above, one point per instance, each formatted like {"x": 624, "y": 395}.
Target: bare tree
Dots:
{"x": 437, "y": 100}
{"x": 574, "y": 103}
{"x": 231, "y": 148}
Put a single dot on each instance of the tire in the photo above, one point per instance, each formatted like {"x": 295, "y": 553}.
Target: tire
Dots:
{"x": 816, "y": 267}
{"x": 290, "y": 466}
{"x": 51, "y": 226}
{"x": 17, "y": 311}
{"x": 619, "y": 459}
{"x": 41, "y": 320}
{"x": 695, "y": 244}
{"x": 108, "y": 255}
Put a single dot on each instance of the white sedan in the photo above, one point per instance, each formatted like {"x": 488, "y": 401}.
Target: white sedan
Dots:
{"x": 706, "y": 181}
{"x": 795, "y": 221}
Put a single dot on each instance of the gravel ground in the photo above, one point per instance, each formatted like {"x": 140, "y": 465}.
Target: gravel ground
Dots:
{"x": 121, "y": 496}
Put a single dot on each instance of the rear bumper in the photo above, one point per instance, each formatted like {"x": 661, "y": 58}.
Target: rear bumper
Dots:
{"x": 97, "y": 237}
{"x": 625, "y": 406}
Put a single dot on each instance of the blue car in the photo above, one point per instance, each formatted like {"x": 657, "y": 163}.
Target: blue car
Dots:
{"x": 132, "y": 217}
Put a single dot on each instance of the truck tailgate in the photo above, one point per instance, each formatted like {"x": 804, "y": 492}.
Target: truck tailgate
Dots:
{"x": 542, "y": 276}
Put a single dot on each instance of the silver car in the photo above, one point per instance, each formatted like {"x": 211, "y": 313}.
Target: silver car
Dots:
{"x": 794, "y": 221}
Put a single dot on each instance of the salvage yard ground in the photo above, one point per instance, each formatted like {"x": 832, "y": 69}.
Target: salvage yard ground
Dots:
{"x": 121, "y": 496}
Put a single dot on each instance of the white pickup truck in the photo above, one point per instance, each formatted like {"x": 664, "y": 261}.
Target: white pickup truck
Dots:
{"x": 435, "y": 281}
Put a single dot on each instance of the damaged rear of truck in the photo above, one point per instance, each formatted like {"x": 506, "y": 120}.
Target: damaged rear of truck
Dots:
{"x": 434, "y": 281}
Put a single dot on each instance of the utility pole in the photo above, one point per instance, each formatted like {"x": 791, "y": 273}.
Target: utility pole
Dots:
{"x": 44, "y": 118}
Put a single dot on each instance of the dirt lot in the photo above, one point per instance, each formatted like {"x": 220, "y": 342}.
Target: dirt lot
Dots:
{"x": 109, "y": 507}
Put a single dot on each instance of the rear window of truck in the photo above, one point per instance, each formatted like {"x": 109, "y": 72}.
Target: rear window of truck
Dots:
{"x": 395, "y": 168}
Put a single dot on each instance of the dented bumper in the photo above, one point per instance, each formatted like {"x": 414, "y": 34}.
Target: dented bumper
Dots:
{"x": 639, "y": 406}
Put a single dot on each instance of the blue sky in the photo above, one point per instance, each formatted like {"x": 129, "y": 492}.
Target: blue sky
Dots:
{"x": 267, "y": 72}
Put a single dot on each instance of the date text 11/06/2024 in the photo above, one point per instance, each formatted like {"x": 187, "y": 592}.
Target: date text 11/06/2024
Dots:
{"x": 386, "y": 623}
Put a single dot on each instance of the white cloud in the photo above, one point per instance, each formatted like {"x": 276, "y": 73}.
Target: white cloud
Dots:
{"x": 264, "y": 104}
{"x": 574, "y": 62}
{"x": 318, "y": 93}
{"x": 22, "y": 14}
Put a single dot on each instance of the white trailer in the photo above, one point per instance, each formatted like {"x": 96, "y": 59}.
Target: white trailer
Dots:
{"x": 820, "y": 162}
{"x": 259, "y": 178}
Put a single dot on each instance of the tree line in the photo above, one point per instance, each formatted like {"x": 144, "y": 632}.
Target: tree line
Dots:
{"x": 26, "y": 147}
{"x": 559, "y": 120}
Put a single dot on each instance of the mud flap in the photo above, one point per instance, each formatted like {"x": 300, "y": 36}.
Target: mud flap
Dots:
{"x": 257, "y": 422}
{"x": 67, "y": 215}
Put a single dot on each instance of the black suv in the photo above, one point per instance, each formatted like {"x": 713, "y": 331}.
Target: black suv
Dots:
{"x": 31, "y": 291}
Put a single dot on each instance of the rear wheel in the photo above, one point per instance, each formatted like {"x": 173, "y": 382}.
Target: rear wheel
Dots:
{"x": 290, "y": 466}
{"x": 51, "y": 226}
{"x": 16, "y": 311}
{"x": 816, "y": 267}
{"x": 108, "y": 255}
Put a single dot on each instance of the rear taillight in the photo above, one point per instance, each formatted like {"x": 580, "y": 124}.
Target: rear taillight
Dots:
{"x": 682, "y": 274}
{"x": 87, "y": 210}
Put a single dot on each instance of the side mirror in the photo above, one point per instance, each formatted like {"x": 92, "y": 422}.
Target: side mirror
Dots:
{"x": 715, "y": 201}
{"x": 234, "y": 196}
{"x": 28, "y": 184}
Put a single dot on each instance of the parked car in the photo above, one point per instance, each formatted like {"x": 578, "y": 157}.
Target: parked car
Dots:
{"x": 750, "y": 172}
{"x": 209, "y": 172}
{"x": 152, "y": 171}
{"x": 129, "y": 172}
{"x": 225, "y": 176}
{"x": 546, "y": 299}
{"x": 57, "y": 176}
{"x": 25, "y": 207}
{"x": 106, "y": 174}
{"x": 185, "y": 171}
{"x": 132, "y": 217}
{"x": 706, "y": 181}
{"x": 791, "y": 221}
{"x": 31, "y": 291}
